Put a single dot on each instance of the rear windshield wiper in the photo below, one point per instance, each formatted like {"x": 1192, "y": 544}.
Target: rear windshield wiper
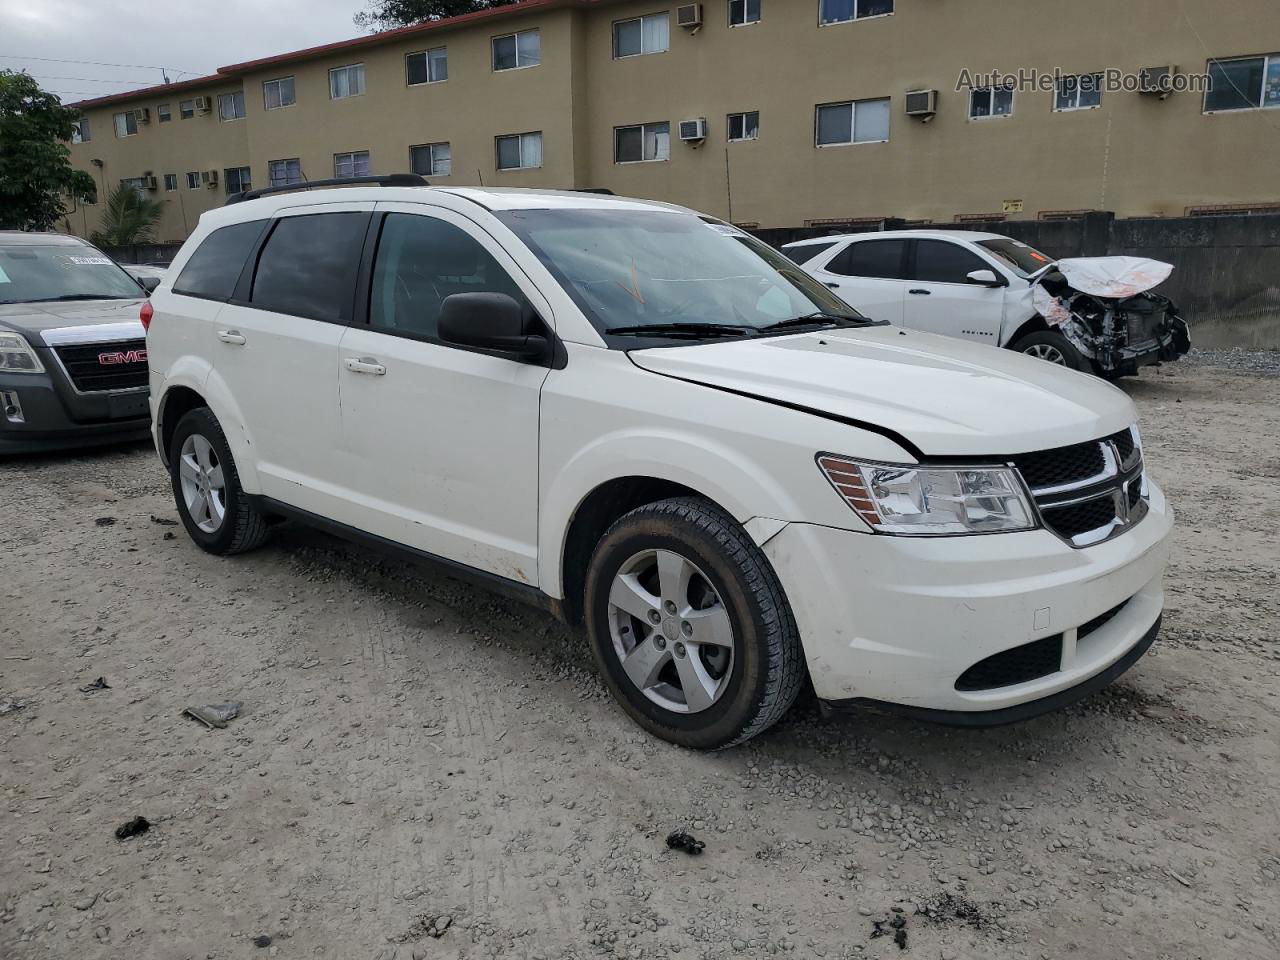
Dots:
{"x": 817, "y": 320}
{"x": 691, "y": 329}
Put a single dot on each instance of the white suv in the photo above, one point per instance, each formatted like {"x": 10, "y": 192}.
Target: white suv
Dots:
{"x": 644, "y": 419}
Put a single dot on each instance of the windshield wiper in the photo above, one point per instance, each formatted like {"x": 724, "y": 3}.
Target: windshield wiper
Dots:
{"x": 817, "y": 319}
{"x": 82, "y": 296}
{"x": 690, "y": 329}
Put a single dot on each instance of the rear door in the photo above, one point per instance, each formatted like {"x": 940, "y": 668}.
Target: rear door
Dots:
{"x": 942, "y": 299}
{"x": 276, "y": 348}
{"x": 868, "y": 275}
{"x": 440, "y": 441}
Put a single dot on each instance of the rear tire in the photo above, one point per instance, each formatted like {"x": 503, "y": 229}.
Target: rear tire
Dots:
{"x": 206, "y": 488}
{"x": 1053, "y": 348}
{"x": 690, "y": 626}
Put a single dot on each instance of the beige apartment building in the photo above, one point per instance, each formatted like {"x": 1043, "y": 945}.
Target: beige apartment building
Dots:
{"x": 766, "y": 112}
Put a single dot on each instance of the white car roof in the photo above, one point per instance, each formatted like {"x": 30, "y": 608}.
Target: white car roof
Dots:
{"x": 922, "y": 233}
{"x": 491, "y": 198}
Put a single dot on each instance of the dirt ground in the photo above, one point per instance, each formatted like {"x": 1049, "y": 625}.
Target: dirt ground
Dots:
{"x": 423, "y": 770}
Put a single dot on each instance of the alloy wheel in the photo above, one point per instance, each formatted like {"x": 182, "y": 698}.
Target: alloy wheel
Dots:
{"x": 671, "y": 631}
{"x": 203, "y": 485}
{"x": 1046, "y": 351}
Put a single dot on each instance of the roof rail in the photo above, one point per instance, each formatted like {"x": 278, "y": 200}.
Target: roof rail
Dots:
{"x": 389, "y": 180}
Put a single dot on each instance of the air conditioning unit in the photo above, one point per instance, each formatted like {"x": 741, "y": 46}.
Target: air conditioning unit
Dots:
{"x": 693, "y": 131}
{"x": 142, "y": 115}
{"x": 150, "y": 183}
{"x": 922, "y": 103}
{"x": 202, "y": 105}
{"x": 1156, "y": 81}
{"x": 209, "y": 178}
{"x": 689, "y": 15}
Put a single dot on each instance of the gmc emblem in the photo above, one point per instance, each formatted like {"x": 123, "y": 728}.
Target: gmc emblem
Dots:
{"x": 122, "y": 356}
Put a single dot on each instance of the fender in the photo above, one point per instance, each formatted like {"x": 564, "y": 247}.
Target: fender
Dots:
{"x": 199, "y": 375}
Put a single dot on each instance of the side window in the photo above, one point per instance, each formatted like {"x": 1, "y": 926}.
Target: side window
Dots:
{"x": 804, "y": 252}
{"x": 881, "y": 259}
{"x": 214, "y": 268}
{"x": 308, "y": 266}
{"x": 940, "y": 261}
{"x": 421, "y": 260}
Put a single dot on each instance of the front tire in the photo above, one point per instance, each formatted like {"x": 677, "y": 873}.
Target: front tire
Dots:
{"x": 1053, "y": 348}
{"x": 206, "y": 487}
{"x": 690, "y": 626}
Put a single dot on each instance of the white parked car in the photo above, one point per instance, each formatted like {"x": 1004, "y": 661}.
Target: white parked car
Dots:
{"x": 1095, "y": 314}
{"x": 644, "y": 419}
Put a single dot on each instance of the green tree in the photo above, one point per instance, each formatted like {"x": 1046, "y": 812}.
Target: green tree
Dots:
{"x": 389, "y": 14}
{"x": 128, "y": 218}
{"x": 36, "y": 176}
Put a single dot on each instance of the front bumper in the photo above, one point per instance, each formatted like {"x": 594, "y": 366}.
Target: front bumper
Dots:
{"x": 899, "y": 620}
{"x": 48, "y": 418}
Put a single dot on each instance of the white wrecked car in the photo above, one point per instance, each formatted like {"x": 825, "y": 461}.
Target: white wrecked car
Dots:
{"x": 1096, "y": 314}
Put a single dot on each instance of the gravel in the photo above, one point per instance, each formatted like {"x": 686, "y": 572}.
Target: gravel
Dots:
{"x": 422, "y": 769}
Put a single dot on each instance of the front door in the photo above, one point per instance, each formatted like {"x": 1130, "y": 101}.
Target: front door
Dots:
{"x": 868, "y": 275}
{"x": 942, "y": 299}
{"x": 440, "y": 442}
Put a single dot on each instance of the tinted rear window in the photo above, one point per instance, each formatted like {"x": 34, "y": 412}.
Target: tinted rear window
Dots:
{"x": 215, "y": 267}
{"x": 308, "y": 266}
{"x": 806, "y": 251}
{"x": 870, "y": 258}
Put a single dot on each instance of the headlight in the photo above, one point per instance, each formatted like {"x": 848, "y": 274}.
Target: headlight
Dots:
{"x": 925, "y": 501}
{"x": 16, "y": 356}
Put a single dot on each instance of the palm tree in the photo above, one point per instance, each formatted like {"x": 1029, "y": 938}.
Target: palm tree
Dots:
{"x": 129, "y": 218}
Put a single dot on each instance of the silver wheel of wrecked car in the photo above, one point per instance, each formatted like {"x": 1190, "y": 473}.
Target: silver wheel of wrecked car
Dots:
{"x": 1045, "y": 351}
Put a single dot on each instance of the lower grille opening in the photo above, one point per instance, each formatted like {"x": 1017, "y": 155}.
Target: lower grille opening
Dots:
{"x": 1100, "y": 621}
{"x": 1031, "y": 661}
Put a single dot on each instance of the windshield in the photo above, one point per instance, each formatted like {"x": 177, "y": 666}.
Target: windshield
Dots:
{"x": 1024, "y": 260}
{"x": 633, "y": 270}
{"x": 62, "y": 272}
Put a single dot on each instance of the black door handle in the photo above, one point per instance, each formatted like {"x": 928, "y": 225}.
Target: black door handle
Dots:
{"x": 919, "y": 292}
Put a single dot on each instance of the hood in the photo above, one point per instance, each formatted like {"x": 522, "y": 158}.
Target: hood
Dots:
{"x": 947, "y": 397}
{"x": 34, "y": 320}
{"x": 1113, "y": 277}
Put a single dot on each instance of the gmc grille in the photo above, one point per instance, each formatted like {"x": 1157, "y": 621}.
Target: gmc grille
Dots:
{"x": 97, "y": 367}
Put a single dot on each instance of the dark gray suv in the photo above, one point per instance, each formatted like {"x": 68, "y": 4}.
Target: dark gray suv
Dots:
{"x": 73, "y": 353}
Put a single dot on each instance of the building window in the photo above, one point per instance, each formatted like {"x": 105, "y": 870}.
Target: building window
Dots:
{"x": 742, "y": 12}
{"x": 842, "y": 11}
{"x": 231, "y": 106}
{"x": 519, "y": 151}
{"x": 237, "y": 180}
{"x": 348, "y": 165}
{"x": 80, "y": 131}
{"x": 346, "y": 82}
{"x": 651, "y": 34}
{"x": 186, "y": 109}
{"x": 139, "y": 185}
{"x": 429, "y": 66}
{"x": 744, "y": 126}
{"x": 431, "y": 159}
{"x": 990, "y": 102}
{"x": 1079, "y": 92}
{"x": 278, "y": 93}
{"x": 1246, "y": 83}
{"x": 163, "y": 113}
{"x": 170, "y": 182}
{"x": 644, "y": 141}
{"x": 284, "y": 172}
{"x": 862, "y": 121}
{"x": 515, "y": 50}
{"x": 126, "y": 124}
{"x": 193, "y": 180}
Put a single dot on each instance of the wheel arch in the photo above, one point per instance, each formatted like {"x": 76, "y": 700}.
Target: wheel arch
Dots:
{"x": 1034, "y": 324}
{"x": 177, "y": 401}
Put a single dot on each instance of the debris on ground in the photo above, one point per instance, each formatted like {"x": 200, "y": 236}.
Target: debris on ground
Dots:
{"x": 427, "y": 926}
{"x": 163, "y": 521}
{"x": 948, "y": 907}
{"x": 679, "y": 840}
{"x": 215, "y": 715}
{"x": 897, "y": 925}
{"x": 105, "y": 521}
{"x": 134, "y": 827}
{"x": 99, "y": 684}
{"x": 262, "y": 940}
{"x": 10, "y": 706}
{"x": 170, "y": 535}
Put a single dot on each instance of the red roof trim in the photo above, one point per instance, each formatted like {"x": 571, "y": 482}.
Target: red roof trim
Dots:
{"x": 375, "y": 39}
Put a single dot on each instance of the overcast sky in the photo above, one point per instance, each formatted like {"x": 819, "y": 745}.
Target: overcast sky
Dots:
{"x": 189, "y": 39}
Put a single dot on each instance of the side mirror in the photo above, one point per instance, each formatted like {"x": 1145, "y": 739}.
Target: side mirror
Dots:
{"x": 148, "y": 283}
{"x": 492, "y": 321}
{"x": 986, "y": 278}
